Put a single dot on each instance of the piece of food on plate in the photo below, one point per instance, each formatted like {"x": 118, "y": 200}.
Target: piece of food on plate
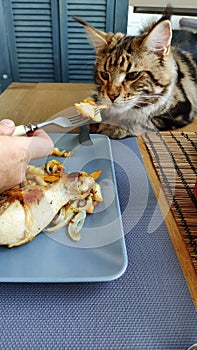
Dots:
{"x": 27, "y": 209}
{"x": 90, "y": 109}
{"x": 61, "y": 153}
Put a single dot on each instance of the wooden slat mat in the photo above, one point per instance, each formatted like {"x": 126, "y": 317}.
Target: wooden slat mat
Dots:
{"x": 174, "y": 156}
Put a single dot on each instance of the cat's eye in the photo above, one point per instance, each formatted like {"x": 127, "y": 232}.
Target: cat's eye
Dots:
{"x": 132, "y": 75}
{"x": 104, "y": 75}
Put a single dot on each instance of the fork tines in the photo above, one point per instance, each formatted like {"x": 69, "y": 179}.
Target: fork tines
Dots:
{"x": 76, "y": 119}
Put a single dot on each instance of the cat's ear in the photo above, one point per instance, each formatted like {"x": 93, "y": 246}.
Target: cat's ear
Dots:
{"x": 97, "y": 37}
{"x": 159, "y": 38}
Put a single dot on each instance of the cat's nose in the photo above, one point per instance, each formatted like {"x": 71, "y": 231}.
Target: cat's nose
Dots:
{"x": 113, "y": 96}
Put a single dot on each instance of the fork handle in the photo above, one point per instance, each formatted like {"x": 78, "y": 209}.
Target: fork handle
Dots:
{"x": 22, "y": 130}
{"x": 19, "y": 131}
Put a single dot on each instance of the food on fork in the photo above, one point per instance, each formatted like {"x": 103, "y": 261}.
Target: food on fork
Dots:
{"x": 47, "y": 193}
{"x": 90, "y": 109}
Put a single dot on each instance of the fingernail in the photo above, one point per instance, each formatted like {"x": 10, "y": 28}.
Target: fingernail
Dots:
{"x": 8, "y": 122}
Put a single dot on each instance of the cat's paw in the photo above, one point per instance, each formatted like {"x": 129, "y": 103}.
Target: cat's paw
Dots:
{"x": 113, "y": 131}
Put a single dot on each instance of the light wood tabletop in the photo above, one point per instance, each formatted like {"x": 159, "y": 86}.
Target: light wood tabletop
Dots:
{"x": 33, "y": 102}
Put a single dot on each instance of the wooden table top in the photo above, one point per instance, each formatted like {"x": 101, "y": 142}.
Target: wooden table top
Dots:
{"x": 32, "y": 102}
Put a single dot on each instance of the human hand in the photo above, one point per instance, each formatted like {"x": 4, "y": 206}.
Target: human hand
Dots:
{"x": 17, "y": 151}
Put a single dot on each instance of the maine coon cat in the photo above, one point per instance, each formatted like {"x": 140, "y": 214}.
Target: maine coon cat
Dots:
{"x": 148, "y": 83}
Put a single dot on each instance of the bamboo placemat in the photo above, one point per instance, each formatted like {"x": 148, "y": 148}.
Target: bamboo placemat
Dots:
{"x": 174, "y": 156}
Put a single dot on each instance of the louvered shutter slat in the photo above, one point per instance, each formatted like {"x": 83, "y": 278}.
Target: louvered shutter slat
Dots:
{"x": 77, "y": 53}
{"x": 34, "y": 41}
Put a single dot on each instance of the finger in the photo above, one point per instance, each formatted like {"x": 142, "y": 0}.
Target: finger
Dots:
{"x": 40, "y": 144}
{"x": 7, "y": 127}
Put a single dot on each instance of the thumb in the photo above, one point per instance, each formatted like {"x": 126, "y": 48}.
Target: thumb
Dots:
{"x": 7, "y": 127}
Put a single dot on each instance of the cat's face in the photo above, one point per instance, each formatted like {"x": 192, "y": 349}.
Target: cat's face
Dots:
{"x": 132, "y": 71}
{"x": 127, "y": 75}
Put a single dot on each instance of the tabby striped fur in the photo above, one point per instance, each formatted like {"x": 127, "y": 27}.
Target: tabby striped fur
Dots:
{"x": 147, "y": 82}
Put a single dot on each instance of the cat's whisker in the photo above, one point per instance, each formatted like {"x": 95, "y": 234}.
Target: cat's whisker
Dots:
{"x": 138, "y": 103}
{"x": 150, "y": 96}
{"x": 145, "y": 100}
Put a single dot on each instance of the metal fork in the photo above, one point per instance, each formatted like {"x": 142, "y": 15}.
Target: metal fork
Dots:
{"x": 67, "y": 118}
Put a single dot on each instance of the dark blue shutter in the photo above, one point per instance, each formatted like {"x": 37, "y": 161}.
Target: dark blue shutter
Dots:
{"x": 42, "y": 43}
{"x": 5, "y": 69}
{"x": 33, "y": 39}
{"x": 78, "y": 55}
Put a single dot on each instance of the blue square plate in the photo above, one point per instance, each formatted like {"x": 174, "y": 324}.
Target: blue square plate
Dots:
{"x": 100, "y": 255}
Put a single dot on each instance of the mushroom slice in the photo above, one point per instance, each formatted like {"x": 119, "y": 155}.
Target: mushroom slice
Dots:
{"x": 76, "y": 225}
{"x": 53, "y": 166}
{"x": 96, "y": 192}
{"x": 82, "y": 204}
